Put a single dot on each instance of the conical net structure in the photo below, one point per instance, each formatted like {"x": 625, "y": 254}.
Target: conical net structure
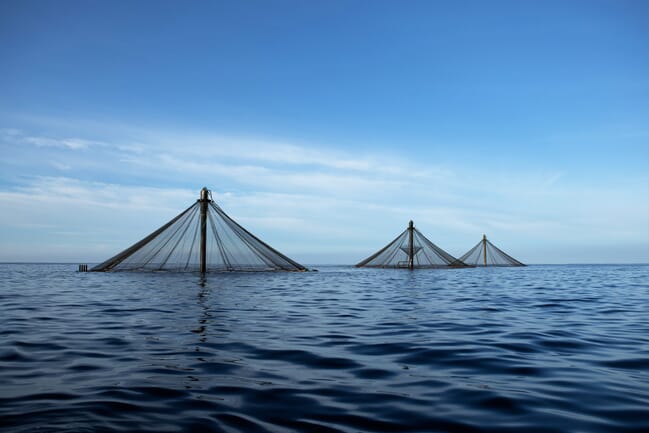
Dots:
{"x": 487, "y": 254}
{"x": 411, "y": 250}
{"x": 178, "y": 246}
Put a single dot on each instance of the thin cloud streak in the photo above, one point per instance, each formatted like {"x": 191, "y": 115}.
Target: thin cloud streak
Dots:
{"x": 16, "y": 136}
{"x": 213, "y": 147}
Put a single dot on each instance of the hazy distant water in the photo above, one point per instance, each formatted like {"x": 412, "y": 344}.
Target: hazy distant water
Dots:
{"x": 536, "y": 349}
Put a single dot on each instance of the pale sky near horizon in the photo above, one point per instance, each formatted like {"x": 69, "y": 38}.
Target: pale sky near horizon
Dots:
{"x": 324, "y": 126}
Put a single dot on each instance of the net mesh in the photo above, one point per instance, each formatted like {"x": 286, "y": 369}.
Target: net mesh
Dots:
{"x": 487, "y": 254}
{"x": 176, "y": 246}
{"x": 397, "y": 254}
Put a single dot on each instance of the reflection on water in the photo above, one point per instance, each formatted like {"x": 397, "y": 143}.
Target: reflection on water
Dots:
{"x": 543, "y": 348}
{"x": 204, "y": 307}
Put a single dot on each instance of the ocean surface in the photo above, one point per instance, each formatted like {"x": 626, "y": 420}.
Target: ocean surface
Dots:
{"x": 534, "y": 349}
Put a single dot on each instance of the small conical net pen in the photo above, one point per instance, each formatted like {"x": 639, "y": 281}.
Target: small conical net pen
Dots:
{"x": 411, "y": 250}
{"x": 484, "y": 253}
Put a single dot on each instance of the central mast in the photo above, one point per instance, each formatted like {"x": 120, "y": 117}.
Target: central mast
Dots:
{"x": 411, "y": 249}
{"x": 484, "y": 248}
{"x": 204, "y": 200}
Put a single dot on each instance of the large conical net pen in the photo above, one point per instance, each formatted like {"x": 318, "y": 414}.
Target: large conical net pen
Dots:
{"x": 411, "y": 250}
{"x": 202, "y": 238}
{"x": 484, "y": 253}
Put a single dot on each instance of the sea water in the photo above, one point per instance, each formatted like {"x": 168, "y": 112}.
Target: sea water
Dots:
{"x": 534, "y": 349}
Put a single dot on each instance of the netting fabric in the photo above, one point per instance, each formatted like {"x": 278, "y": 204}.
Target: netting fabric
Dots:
{"x": 487, "y": 254}
{"x": 176, "y": 246}
{"x": 411, "y": 250}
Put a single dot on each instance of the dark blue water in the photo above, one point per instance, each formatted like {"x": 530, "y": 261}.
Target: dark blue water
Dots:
{"x": 536, "y": 349}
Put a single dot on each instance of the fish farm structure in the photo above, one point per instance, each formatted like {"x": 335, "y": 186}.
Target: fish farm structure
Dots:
{"x": 411, "y": 250}
{"x": 186, "y": 244}
{"x": 487, "y": 254}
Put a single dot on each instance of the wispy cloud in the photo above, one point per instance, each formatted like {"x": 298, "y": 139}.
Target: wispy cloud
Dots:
{"x": 17, "y": 136}
{"x": 297, "y": 197}
{"x": 274, "y": 152}
{"x": 66, "y": 143}
{"x": 61, "y": 166}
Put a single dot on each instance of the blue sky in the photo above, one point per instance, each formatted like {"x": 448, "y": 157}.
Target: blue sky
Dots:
{"x": 323, "y": 127}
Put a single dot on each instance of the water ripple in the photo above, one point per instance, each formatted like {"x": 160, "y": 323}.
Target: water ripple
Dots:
{"x": 539, "y": 349}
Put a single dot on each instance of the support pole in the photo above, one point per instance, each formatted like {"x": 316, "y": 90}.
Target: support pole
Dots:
{"x": 204, "y": 201}
{"x": 411, "y": 249}
{"x": 484, "y": 248}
